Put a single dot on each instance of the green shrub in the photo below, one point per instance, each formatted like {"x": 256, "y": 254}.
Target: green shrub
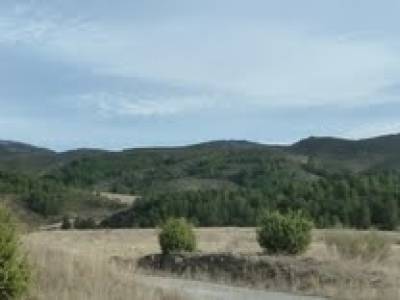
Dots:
{"x": 14, "y": 271}
{"x": 366, "y": 246}
{"x": 177, "y": 235}
{"x": 284, "y": 234}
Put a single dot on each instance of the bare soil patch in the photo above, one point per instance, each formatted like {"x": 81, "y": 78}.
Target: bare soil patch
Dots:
{"x": 303, "y": 275}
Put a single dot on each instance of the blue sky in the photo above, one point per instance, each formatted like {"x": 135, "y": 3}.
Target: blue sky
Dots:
{"x": 140, "y": 73}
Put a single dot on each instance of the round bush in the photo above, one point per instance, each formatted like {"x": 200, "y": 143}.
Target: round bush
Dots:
{"x": 177, "y": 236}
{"x": 284, "y": 234}
{"x": 14, "y": 271}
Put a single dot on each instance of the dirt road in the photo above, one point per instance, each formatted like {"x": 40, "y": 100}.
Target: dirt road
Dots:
{"x": 206, "y": 291}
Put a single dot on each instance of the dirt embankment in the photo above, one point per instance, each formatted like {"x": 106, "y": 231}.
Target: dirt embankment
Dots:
{"x": 302, "y": 275}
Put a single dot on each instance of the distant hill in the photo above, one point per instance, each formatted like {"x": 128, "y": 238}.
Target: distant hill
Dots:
{"x": 354, "y": 155}
{"x": 229, "y": 144}
{"x": 316, "y": 174}
{"x": 28, "y": 159}
{"x": 330, "y": 153}
{"x": 21, "y": 157}
{"x": 10, "y": 147}
{"x": 217, "y": 164}
{"x": 333, "y": 153}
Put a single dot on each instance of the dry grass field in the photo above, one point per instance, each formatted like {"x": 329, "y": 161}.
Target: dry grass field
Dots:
{"x": 101, "y": 264}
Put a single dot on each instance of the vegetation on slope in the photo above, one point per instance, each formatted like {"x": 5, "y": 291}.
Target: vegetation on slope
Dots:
{"x": 359, "y": 201}
{"x": 14, "y": 270}
{"x": 352, "y": 183}
{"x": 48, "y": 197}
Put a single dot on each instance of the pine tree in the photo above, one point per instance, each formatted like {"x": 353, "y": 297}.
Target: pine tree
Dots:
{"x": 14, "y": 271}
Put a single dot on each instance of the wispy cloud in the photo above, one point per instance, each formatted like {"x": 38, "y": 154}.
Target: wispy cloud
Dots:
{"x": 371, "y": 129}
{"x": 111, "y": 105}
{"x": 276, "y": 63}
{"x": 279, "y": 65}
{"x": 36, "y": 25}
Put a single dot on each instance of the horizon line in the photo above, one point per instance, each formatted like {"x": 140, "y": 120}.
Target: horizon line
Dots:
{"x": 191, "y": 144}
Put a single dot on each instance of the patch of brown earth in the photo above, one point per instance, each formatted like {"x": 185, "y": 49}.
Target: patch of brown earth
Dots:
{"x": 292, "y": 274}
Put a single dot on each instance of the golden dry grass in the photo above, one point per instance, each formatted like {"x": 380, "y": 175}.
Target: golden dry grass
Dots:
{"x": 79, "y": 265}
{"x": 64, "y": 275}
{"x": 381, "y": 264}
{"x": 101, "y": 264}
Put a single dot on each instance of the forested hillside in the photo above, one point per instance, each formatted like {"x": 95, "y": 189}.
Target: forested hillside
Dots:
{"x": 334, "y": 181}
{"x": 49, "y": 198}
{"x": 359, "y": 201}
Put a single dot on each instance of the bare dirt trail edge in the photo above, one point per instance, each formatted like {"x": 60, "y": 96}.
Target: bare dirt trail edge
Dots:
{"x": 196, "y": 290}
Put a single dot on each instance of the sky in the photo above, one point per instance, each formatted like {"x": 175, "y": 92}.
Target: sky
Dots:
{"x": 125, "y": 74}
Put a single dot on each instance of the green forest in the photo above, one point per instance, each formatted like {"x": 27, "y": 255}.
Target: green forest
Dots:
{"x": 224, "y": 183}
{"x": 359, "y": 201}
{"x": 48, "y": 197}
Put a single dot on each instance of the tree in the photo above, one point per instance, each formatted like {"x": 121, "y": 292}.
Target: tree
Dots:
{"x": 284, "y": 234}
{"x": 177, "y": 235}
{"x": 14, "y": 270}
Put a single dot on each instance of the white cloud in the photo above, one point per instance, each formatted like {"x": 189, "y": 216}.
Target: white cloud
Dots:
{"x": 265, "y": 63}
{"x": 260, "y": 63}
{"x": 374, "y": 128}
{"x": 117, "y": 104}
{"x": 281, "y": 67}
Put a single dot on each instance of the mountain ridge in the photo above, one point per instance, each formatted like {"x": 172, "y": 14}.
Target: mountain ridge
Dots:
{"x": 318, "y": 174}
{"x": 356, "y": 155}
{"x": 393, "y": 138}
